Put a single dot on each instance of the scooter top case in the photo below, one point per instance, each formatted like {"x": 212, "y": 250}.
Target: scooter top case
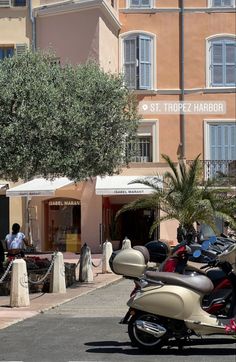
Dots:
{"x": 129, "y": 262}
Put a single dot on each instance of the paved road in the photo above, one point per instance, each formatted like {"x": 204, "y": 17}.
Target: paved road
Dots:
{"x": 88, "y": 329}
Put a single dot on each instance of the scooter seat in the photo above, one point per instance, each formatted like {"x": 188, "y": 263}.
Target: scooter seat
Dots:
{"x": 200, "y": 283}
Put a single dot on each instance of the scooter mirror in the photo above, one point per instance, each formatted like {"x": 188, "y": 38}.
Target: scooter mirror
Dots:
{"x": 197, "y": 253}
{"x": 205, "y": 245}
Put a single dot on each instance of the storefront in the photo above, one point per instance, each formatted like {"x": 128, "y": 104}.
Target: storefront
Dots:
{"x": 63, "y": 224}
{"x": 116, "y": 192}
{"x": 62, "y": 214}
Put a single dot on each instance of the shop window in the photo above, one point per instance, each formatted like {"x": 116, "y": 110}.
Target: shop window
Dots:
{"x": 64, "y": 224}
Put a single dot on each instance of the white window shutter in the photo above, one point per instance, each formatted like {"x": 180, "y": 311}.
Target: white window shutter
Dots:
{"x": 130, "y": 46}
{"x": 145, "y": 65}
{"x": 21, "y": 49}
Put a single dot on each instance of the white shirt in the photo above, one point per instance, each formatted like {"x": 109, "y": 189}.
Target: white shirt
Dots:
{"x": 15, "y": 241}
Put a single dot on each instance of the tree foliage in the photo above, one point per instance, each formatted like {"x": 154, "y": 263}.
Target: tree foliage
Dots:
{"x": 184, "y": 197}
{"x": 61, "y": 121}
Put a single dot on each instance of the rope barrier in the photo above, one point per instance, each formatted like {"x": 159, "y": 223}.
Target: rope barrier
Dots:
{"x": 6, "y": 272}
{"x": 47, "y": 273}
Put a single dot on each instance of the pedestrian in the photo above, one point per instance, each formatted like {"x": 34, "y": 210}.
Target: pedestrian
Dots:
{"x": 16, "y": 242}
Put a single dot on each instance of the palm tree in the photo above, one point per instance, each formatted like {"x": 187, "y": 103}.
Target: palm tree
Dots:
{"x": 184, "y": 197}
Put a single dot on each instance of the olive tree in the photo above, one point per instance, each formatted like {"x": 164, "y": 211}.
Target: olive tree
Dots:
{"x": 62, "y": 121}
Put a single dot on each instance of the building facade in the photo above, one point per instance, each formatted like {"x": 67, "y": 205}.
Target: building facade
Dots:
{"x": 173, "y": 53}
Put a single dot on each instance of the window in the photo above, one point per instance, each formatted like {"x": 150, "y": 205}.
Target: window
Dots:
{"x": 222, "y": 62}
{"x": 223, "y": 3}
{"x": 223, "y": 141}
{"x": 141, "y": 149}
{"x": 19, "y": 2}
{"x": 138, "y": 61}
{"x": 143, "y": 4}
{"x": 9, "y": 3}
{"x": 221, "y": 145}
{"x": 9, "y": 51}
{"x": 6, "y": 52}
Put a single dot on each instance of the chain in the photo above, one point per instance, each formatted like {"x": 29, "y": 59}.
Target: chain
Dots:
{"x": 77, "y": 263}
{"x": 47, "y": 273}
{"x": 96, "y": 266}
{"x": 6, "y": 272}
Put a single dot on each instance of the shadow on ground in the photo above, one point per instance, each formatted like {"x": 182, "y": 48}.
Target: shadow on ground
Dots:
{"x": 201, "y": 347}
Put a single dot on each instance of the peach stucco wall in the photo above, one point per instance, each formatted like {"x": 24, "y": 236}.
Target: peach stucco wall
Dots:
{"x": 73, "y": 36}
{"x": 108, "y": 47}
{"x": 165, "y": 28}
{"x": 196, "y": 39}
{"x": 14, "y": 27}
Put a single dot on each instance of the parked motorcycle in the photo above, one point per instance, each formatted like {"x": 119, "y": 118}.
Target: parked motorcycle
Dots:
{"x": 219, "y": 300}
{"x": 170, "y": 305}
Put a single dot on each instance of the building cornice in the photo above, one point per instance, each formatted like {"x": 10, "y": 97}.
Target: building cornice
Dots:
{"x": 186, "y": 91}
{"x": 176, "y": 10}
{"x": 78, "y": 5}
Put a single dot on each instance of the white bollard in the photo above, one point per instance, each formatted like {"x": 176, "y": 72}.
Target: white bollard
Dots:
{"x": 19, "y": 295}
{"x": 58, "y": 282}
{"x": 107, "y": 250}
{"x": 86, "y": 270}
{"x": 126, "y": 243}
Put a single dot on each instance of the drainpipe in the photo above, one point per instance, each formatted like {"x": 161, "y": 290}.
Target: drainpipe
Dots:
{"x": 32, "y": 19}
{"x": 181, "y": 42}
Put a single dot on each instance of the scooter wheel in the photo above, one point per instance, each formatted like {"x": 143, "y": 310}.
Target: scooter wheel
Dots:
{"x": 142, "y": 339}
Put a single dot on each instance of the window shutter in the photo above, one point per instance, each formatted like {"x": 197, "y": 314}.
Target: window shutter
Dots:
{"x": 230, "y": 55}
{"x": 145, "y": 3}
{"x": 5, "y": 3}
{"x": 21, "y": 49}
{"x": 130, "y": 62}
{"x": 217, "y": 64}
{"x": 134, "y": 3}
{"x": 216, "y": 3}
{"x": 145, "y": 66}
{"x": 223, "y": 142}
{"x": 228, "y": 2}
{"x": 224, "y": 3}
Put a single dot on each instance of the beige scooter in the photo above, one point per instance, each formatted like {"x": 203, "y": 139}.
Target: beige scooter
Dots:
{"x": 169, "y": 306}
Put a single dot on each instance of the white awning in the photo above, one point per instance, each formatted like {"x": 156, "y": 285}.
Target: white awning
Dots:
{"x": 39, "y": 187}
{"x": 3, "y": 188}
{"x": 119, "y": 185}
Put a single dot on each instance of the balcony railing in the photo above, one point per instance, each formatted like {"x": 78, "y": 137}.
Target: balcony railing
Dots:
{"x": 226, "y": 169}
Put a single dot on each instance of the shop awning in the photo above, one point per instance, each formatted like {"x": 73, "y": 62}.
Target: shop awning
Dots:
{"x": 120, "y": 185}
{"x": 39, "y": 187}
{"x": 3, "y": 188}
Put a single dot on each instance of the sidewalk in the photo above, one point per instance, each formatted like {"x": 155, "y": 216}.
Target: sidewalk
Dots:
{"x": 40, "y": 302}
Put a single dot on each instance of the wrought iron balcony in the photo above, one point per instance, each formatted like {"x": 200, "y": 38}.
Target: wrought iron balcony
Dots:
{"x": 224, "y": 169}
